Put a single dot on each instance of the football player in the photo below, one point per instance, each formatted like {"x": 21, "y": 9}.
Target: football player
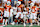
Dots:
{"x": 7, "y": 11}
{"x": 25, "y": 15}
{"x": 14, "y": 13}
{"x": 19, "y": 5}
{"x": 33, "y": 12}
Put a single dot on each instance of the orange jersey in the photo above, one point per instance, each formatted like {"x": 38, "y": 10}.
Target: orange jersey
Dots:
{"x": 33, "y": 9}
{"x": 20, "y": 6}
{"x": 8, "y": 7}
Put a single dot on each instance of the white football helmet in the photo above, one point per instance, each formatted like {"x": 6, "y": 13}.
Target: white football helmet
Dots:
{"x": 18, "y": 3}
{"x": 8, "y": 3}
{"x": 32, "y": 4}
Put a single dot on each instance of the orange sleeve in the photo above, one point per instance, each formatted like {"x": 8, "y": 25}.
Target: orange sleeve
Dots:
{"x": 21, "y": 5}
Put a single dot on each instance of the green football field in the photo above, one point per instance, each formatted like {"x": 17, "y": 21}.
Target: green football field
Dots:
{"x": 21, "y": 26}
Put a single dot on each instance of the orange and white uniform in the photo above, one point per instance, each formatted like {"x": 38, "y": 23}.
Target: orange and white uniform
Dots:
{"x": 7, "y": 10}
{"x": 19, "y": 13}
{"x": 19, "y": 10}
{"x": 33, "y": 13}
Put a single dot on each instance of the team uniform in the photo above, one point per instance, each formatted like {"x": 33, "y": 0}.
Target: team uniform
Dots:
{"x": 26, "y": 15}
{"x": 7, "y": 9}
{"x": 6, "y": 15}
{"x": 33, "y": 13}
{"x": 6, "y": 12}
{"x": 19, "y": 14}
